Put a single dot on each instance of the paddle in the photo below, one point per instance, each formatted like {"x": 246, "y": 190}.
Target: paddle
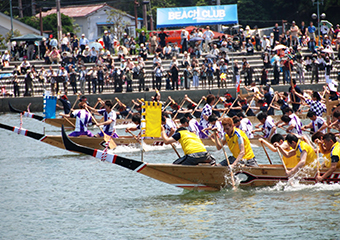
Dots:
{"x": 249, "y": 105}
{"x": 226, "y": 157}
{"x": 265, "y": 150}
{"x": 226, "y": 113}
{"x": 168, "y": 104}
{"x": 75, "y": 101}
{"x": 130, "y": 111}
{"x": 283, "y": 163}
{"x": 174, "y": 148}
{"x": 135, "y": 137}
{"x": 67, "y": 120}
{"x": 198, "y": 104}
{"x": 180, "y": 107}
{"x": 107, "y": 138}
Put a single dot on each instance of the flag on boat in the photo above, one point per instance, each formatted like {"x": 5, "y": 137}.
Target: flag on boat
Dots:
{"x": 50, "y": 103}
{"x": 151, "y": 119}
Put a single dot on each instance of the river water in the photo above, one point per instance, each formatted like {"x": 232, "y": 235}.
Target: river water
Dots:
{"x": 49, "y": 193}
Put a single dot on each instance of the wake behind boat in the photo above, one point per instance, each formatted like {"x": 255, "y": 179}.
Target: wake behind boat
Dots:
{"x": 200, "y": 177}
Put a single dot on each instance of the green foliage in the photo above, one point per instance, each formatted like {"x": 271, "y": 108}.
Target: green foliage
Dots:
{"x": 116, "y": 18}
{"x": 50, "y": 23}
{"x": 5, "y": 39}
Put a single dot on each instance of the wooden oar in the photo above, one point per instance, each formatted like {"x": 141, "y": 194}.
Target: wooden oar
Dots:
{"x": 226, "y": 157}
{"x": 168, "y": 104}
{"x": 265, "y": 150}
{"x": 67, "y": 120}
{"x": 120, "y": 102}
{"x": 75, "y": 101}
{"x": 250, "y": 105}
{"x": 219, "y": 99}
{"x": 179, "y": 108}
{"x": 108, "y": 139}
{"x": 130, "y": 111}
{"x": 283, "y": 163}
{"x": 270, "y": 105}
{"x": 135, "y": 137}
{"x": 174, "y": 148}
{"x": 226, "y": 113}
{"x": 197, "y": 106}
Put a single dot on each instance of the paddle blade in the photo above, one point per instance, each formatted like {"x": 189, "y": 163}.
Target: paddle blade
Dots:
{"x": 109, "y": 139}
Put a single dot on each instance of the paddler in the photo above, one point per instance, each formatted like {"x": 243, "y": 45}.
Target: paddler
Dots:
{"x": 329, "y": 141}
{"x": 305, "y": 154}
{"x": 83, "y": 118}
{"x": 278, "y": 138}
{"x": 238, "y": 144}
{"x": 110, "y": 118}
{"x": 192, "y": 146}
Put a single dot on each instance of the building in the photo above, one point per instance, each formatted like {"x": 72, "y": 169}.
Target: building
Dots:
{"x": 5, "y": 26}
{"x": 92, "y": 19}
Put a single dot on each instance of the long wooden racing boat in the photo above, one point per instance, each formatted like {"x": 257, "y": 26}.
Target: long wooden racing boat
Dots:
{"x": 55, "y": 140}
{"x": 58, "y": 122}
{"x": 200, "y": 177}
{"x": 127, "y": 140}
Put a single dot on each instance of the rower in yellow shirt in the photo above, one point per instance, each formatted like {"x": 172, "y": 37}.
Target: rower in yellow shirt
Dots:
{"x": 238, "y": 144}
{"x": 330, "y": 142}
{"x": 278, "y": 138}
{"x": 305, "y": 154}
{"x": 193, "y": 148}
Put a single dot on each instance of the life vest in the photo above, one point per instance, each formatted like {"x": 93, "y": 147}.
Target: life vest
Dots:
{"x": 291, "y": 161}
{"x": 233, "y": 145}
{"x": 335, "y": 151}
{"x": 190, "y": 142}
{"x": 303, "y": 146}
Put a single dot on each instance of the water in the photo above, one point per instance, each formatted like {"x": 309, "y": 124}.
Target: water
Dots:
{"x": 49, "y": 193}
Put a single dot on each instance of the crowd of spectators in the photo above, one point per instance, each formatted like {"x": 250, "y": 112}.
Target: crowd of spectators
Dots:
{"x": 281, "y": 53}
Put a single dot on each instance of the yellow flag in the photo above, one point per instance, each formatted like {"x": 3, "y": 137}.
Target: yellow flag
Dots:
{"x": 151, "y": 119}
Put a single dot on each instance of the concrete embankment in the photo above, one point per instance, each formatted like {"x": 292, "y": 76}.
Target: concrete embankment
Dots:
{"x": 195, "y": 95}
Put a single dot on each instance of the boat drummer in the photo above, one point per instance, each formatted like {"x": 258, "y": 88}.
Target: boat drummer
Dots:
{"x": 238, "y": 144}
{"x": 192, "y": 146}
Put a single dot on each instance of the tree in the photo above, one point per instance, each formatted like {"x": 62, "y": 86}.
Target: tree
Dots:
{"x": 116, "y": 18}
{"x": 5, "y": 39}
{"x": 50, "y": 23}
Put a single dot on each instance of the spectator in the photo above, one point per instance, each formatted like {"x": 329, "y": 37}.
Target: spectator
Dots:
{"x": 86, "y": 54}
{"x": 83, "y": 42}
{"x": 174, "y": 74}
{"x": 324, "y": 29}
{"x": 210, "y": 75}
{"x": 24, "y": 66}
{"x": 175, "y": 50}
{"x": 132, "y": 44}
{"x": 73, "y": 75}
{"x": 162, "y": 37}
{"x": 51, "y": 74}
{"x": 157, "y": 60}
{"x": 142, "y": 38}
{"x": 294, "y": 30}
{"x": 158, "y": 73}
{"x": 64, "y": 42}
{"x": 152, "y": 43}
{"x": 15, "y": 82}
{"x": 195, "y": 75}
{"x": 29, "y": 82}
{"x": 167, "y": 51}
{"x": 143, "y": 52}
{"x": 250, "y": 47}
{"x": 185, "y": 59}
{"x": 93, "y": 55}
{"x": 184, "y": 40}
{"x": 55, "y": 56}
{"x": 276, "y": 32}
{"x": 93, "y": 78}
{"x": 208, "y": 36}
{"x": 100, "y": 77}
{"x": 107, "y": 41}
{"x": 311, "y": 31}
{"x": 82, "y": 78}
{"x": 326, "y": 42}
{"x": 6, "y": 58}
{"x": 128, "y": 79}
{"x": 265, "y": 43}
{"x": 328, "y": 68}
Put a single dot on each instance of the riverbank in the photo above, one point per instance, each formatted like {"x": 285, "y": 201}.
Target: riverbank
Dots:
{"x": 195, "y": 95}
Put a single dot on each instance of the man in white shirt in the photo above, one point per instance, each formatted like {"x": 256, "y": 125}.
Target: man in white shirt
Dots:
{"x": 208, "y": 35}
{"x": 83, "y": 42}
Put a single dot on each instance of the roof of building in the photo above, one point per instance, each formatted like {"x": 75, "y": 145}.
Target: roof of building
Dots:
{"x": 76, "y": 11}
{"x": 5, "y": 22}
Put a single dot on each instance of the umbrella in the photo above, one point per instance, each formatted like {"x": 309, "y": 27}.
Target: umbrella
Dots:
{"x": 327, "y": 50}
{"x": 28, "y": 37}
{"x": 279, "y": 47}
{"x": 210, "y": 56}
{"x": 224, "y": 49}
{"x": 195, "y": 39}
{"x": 96, "y": 45}
{"x": 329, "y": 24}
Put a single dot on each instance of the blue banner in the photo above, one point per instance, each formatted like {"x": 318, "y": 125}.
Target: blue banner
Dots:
{"x": 205, "y": 15}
